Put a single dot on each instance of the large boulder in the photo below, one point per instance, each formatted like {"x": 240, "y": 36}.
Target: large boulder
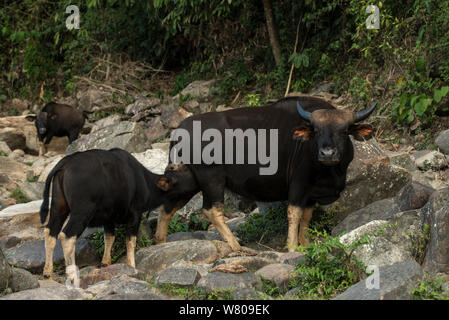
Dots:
{"x": 436, "y": 215}
{"x": 23, "y": 280}
{"x": 31, "y": 255}
{"x": 123, "y": 287}
{"x": 153, "y": 259}
{"x": 370, "y": 177}
{"x": 125, "y": 135}
{"x": 113, "y": 119}
{"x": 442, "y": 141}
{"x": 393, "y": 244}
{"x": 229, "y": 281}
{"x": 60, "y": 292}
{"x": 396, "y": 282}
{"x": 5, "y": 272}
{"x": 181, "y": 276}
{"x": 155, "y": 160}
{"x": 279, "y": 273}
{"x": 21, "y": 221}
{"x": 95, "y": 275}
{"x": 412, "y": 196}
{"x": 15, "y": 171}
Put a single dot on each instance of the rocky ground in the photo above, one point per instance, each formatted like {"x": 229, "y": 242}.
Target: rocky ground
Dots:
{"x": 403, "y": 192}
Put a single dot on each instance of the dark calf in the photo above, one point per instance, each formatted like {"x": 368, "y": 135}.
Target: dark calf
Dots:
{"x": 99, "y": 188}
{"x": 58, "y": 120}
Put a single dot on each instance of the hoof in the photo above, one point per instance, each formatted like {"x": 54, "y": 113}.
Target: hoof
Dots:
{"x": 104, "y": 265}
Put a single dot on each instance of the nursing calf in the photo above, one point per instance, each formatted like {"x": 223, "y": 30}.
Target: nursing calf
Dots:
{"x": 99, "y": 188}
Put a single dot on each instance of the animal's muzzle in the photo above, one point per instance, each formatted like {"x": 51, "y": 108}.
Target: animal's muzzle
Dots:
{"x": 328, "y": 156}
{"x": 42, "y": 130}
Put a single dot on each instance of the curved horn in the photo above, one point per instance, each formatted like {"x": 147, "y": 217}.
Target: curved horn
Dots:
{"x": 303, "y": 113}
{"x": 362, "y": 115}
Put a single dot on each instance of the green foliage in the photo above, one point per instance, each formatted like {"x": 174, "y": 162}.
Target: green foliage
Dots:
{"x": 33, "y": 179}
{"x": 19, "y": 196}
{"x": 193, "y": 293}
{"x": 3, "y": 154}
{"x": 418, "y": 106}
{"x": 270, "y": 288}
{"x": 419, "y": 244}
{"x": 253, "y": 100}
{"x": 263, "y": 227}
{"x": 329, "y": 267}
{"x": 14, "y": 112}
{"x": 430, "y": 289}
{"x": 119, "y": 246}
{"x": 177, "y": 225}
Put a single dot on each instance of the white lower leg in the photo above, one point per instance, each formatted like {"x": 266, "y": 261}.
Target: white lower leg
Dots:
{"x": 68, "y": 248}
{"x": 130, "y": 249}
{"x": 108, "y": 242}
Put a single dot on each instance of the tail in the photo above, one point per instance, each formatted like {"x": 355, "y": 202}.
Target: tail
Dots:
{"x": 86, "y": 113}
{"x": 45, "y": 204}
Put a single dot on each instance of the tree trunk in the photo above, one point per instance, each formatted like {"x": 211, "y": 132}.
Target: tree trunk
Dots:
{"x": 272, "y": 31}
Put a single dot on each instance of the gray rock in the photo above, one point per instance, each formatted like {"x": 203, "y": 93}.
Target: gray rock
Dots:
{"x": 292, "y": 258}
{"x": 396, "y": 283}
{"x": 141, "y": 104}
{"x": 181, "y": 276}
{"x": 391, "y": 246}
{"x": 110, "y": 120}
{"x": 198, "y": 89}
{"x": 33, "y": 190}
{"x": 133, "y": 296}
{"x": 436, "y": 215}
{"x": 92, "y": 276}
{"x": 23, "y": 280}
{"x": 252, "y": 263}
{"x": 123, "y": 286}
{"x": 378, "y": 210}
{"x": 153, "y": 259}
{"x": 126, "y": 135}
{"x": 371, "y": 177}
{"x": 279, "y": 273}
{"x": 9, "y": 242}
{"x": 427, "y": 159}
{"x": 403, "y": 160}
{"x": 31, "y": 255}
{"x": 48, "y": 293}
{"x": 172, "y": 116}
{"x": 5, "y": 272}
{"x": 219, "y": 280}
{"x": 247, "y": 294}
{"x": 442, "y": 141}
{"x": 154, "y": 130}
{"x": 413, "y": 195}
{"x": 92, "y": 97}
{"x": 155, "y": 160}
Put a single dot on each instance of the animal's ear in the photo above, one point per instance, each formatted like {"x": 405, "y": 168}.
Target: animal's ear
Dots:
{"x": 302, "y": 133}
{"x": 53, "y": 116}
{"x": 31, "y": 118}
{"x": 361, "y": 132}
{"x": 165, "y": 183}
